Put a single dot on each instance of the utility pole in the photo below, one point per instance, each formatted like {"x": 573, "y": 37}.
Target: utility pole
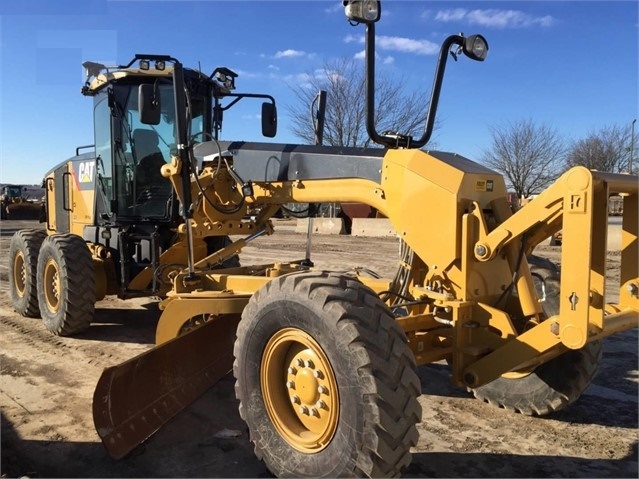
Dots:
{"x": 632, "y": 144}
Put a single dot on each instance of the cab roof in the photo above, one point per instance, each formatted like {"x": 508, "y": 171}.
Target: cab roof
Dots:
{"x": 101, "y": 80}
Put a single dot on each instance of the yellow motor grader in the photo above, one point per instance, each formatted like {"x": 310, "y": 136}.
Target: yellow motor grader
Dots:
{"x": 324, "y": 361}
{"x": 15, "y": 205}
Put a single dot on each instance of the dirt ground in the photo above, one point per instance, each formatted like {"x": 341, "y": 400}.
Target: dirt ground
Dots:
{"x": 47, "y": 382}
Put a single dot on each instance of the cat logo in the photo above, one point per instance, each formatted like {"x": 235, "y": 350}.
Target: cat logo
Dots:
{"x": 484, "y": 185}
{"x": 85, "y": 171}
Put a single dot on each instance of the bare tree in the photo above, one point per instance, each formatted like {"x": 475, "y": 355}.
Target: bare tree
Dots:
{"x": 529, "y": 156}
{"x": 343, "y": 79}
{"x": 607, "y": 149}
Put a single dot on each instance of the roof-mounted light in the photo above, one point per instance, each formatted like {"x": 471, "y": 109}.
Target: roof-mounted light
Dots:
{"x": 225, "y": 77}
{"x": 145, "y": 64}
{"x": 362, "y": 11}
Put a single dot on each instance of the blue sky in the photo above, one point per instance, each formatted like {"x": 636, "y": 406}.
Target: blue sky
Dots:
{"x": 572, "y": 65}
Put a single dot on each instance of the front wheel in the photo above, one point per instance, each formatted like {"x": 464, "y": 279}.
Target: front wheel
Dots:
{"x": 66, "y": 284}
{"x": 555, "y": 384}
{"x": 325, "y": 379}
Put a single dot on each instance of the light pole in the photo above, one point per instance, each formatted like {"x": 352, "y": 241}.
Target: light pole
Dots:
{"x": 632, "y": 144}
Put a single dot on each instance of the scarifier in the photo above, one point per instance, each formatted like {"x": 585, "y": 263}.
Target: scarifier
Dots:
{"x": 324, "y": 361}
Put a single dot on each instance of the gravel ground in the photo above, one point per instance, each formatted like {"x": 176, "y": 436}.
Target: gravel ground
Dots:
{"x": 47, "y": 384}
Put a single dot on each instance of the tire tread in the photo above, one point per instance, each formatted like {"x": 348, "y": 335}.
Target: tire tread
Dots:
{"x": 77, "y": 271}
{"x": 29, "y": 241}
{"x": 566, "y": 377}
{"x": 385, "y": 366}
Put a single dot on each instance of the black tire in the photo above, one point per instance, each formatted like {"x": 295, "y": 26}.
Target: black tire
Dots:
{"x": 369, "y": 373}
{"x": 555, "y": 384}
{"x": 23, "y": 267}
{"x": 66, "y": 284}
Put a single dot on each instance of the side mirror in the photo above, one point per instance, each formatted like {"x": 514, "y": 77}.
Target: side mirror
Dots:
{"x": 149, "y": 104}
{"x": 269, "y": 119}
{"x": 218, "y": 117}
{"x": 362, "y": 11}
{"x": 475, "y": 47}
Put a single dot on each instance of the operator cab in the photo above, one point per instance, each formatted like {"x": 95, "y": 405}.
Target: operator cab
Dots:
{"x": 136, "y": 131}
{"x": 115, "y": 195}
{"x": 12, "y": 191}
{"x": 130, "y": 152}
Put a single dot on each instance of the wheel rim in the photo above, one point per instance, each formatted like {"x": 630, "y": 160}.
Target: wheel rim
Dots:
{"x": 300, "y": 390}
{"x": 20, "y": 274}
{"x": 52, "y": 285}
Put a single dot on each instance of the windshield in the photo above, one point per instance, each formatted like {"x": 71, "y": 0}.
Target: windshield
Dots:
{"x": 13, "y": 191}
{"x": 141, "y": 190}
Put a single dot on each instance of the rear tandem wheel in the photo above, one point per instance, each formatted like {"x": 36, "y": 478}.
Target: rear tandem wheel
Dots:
{"x": 23, "y": 262}
{"x": 66, "y": 284}
{"x": 325, "y": 379}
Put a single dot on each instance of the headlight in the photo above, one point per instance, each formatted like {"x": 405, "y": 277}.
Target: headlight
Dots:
{"x": 362, "y": 11}
{"x": 476, "y": 47}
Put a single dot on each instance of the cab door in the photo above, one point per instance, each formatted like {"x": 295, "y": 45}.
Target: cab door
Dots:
{"x": 57, "y": 200}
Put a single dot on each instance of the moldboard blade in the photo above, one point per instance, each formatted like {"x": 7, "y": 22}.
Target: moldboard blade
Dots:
{"x": 134, "y": 399}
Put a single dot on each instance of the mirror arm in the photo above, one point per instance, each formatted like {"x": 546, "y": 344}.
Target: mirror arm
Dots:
{"x": 239, "y": 96}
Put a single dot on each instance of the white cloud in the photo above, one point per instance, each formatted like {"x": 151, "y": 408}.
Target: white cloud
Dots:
{"x": 337, "y": 7}
{"x": 290, "y": 54}
{"x": 298, "y": 77}
{"x": 389, "y": 60}
{"x": 246, "y": 74}
{"x": 333, "y": 76}
{"x": 306, "y": 80}
{"x": 427, "y": 14}
{"x": 354, "y": 38}
{"x": 453, "y": 15}
{"x": 273, "y": 67}
{"x": 397, "y": 44}
{"x": 409, "y": 45}
{"x": 494, "y": 18}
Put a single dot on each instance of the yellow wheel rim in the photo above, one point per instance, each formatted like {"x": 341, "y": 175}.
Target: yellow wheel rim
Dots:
{"x": 518, "y": 374}
{"x": 20, "y": 273}
{"x": 299, "y": 389}
{"x": 52, "y": 286}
